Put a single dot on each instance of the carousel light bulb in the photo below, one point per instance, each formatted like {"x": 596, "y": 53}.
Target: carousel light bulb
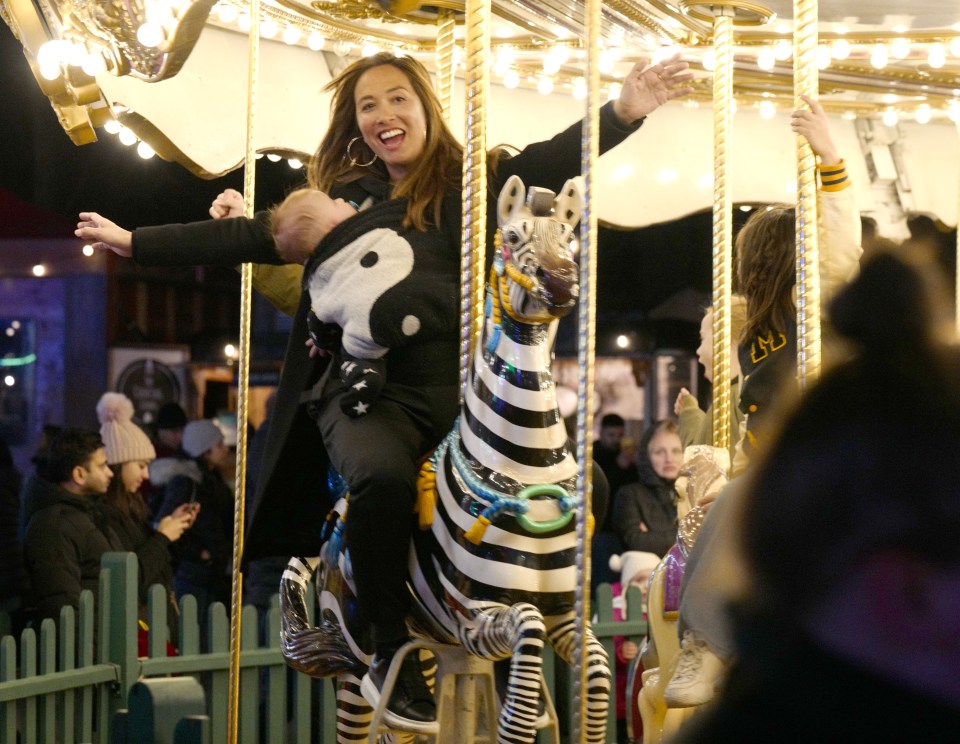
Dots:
{"x": 50, "y": 71}
{"x": 937, "y": 56}
{"x": 580, "y": 88}
{"x": 545, "y": 85}
{"x": 767, "y": 58}
{"x": 922, "y": 114}
{"x": 840, "y": 49}
{"x": 88, "y": 250}
{"x": 848, "y": 115}
{"x": 273, "y": 157}
{"x": 782, "y": 50}
{"x": 75, "y": 55}
{"x": 511, "y": 79}
{"x": 290, "y": 35}
{"x": 51, "y": 53}
{"x": 368, "y": 49}
{"x": 709, "y": 60}
{"x": 606, "y": 62}
{"x": 890, "y": 117}
{"x": 900, "y": 48}
{"x": 39, "y": 270}
{"x": 316, "y": 41}
{"x": 505, "y": 56}
{"x": 150, "y": 35}
{"x": 823, "y": 57}
{"x": 551, "y": 65}
{"x": 878, "y": 57}
{"x": 295, "y": 163}
{"x": 889, "y": 97}
{"x": 94, "y": 64}
{"x": 227, "y": 12}
{"x": 126, "y": 137}
{"x": 243, "y": 22}
{"x": 145, "y": 151}
{"x": 953, "y": 113}
{"x": 955, "y": 46}
{"x": 230, "y": 351}
{"x": 767, "y": 109}
{"x": 268, "y": 28}
{"x": 622, "y": 341}
{"x": 112, "y": 126}
{"x": 560, "y": 53}
{"x": 342, "y": 48}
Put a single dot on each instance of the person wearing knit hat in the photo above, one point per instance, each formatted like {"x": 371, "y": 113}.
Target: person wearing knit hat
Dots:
{"x": 123, "y": 510}
{"x": 634, "y": 567}
{"x": 171, "y": 419}
{"x": 205, "y": 552}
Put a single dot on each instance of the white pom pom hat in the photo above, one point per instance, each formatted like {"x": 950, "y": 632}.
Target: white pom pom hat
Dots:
{"x": 123, "y": 440}
{"x": 631, "y": 562}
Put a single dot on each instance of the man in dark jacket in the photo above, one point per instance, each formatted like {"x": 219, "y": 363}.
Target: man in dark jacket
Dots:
{"x": 62, "y": 543}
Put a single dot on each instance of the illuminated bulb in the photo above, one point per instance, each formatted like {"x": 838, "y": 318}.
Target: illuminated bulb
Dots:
{"x": 290, "y": 35}
{"x": 10, "y": 332}
{"x": 560, "y": 53}
{"x": 145, "y": 151}
{"x": 15, "y": 325}
{"x": 94, "y": 64}
{"x": 295, "y": 163}
{"x": 511, "y": 79}
{"x": 551, "y": 65}
{"x": 126, "y": 137}
{"x": 745, "y": 208}
{"x": 937, "y": 56}
{"x": 890, "y": 117}
{"x": 50, "y": 71}
{"x": 88, "y": 250}
{"x": 840, "y": 49}
{"x": 580, "y": 88}
{"x": 243, "y": 22}
{"x": 782, "y": 50}
{"x": 230, "y": 351}
{"x": 605, "y": 65}
{"x": 955, "y": 46}
{"x": 227, "y": 13}
{"x": 823, "y": 57}
{"x": 545, "y": 85}
{"x": 316, "y": 41}
{"x": 273, "y": 157}
{"x": 767, "y": 109}
{"x": 505, "y": 56}
{"x": 51, "y": 53}
{"x": 622, "y": 341}
{"x": 342, "y": 48}
{"x": 75, "y": 54}
{"x": 368, "y": 49}
{"x": 922, "y": 114}
{"x": 889, "y": 97}
{"x": 848, "y": 115}
{"x": 268, "y": 28}
{"x": 150, "y": 35}
{"x": 9, "y": 381}
{"x": 954, "y": 114}
{"x": 900, "y": 48}
{"x": 112, "y": 126}
{"x": 39, "y": 270}
{"x": 709, "y": 60}
{"x": 878, "y": 57}
{"x": 767, "y": 58}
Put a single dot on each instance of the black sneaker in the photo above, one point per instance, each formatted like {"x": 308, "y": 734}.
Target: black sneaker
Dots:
{"x": 411, "y": 706}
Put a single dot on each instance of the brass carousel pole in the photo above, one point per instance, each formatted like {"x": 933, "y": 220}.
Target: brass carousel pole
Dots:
{"x": 724, "y": 15}
{"x": 586, "y": 347}
{"x": 243, "y": 377}
{"x": 474, "y": 181}
{"x": 446, "y": 24}
{"x": 806, "y": 82}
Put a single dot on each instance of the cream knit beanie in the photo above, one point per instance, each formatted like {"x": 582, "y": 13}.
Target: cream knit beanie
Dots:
{"x": 123, "y": 440}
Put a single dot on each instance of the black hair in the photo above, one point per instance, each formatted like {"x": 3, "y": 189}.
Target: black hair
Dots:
{"x": 69, "y": 448}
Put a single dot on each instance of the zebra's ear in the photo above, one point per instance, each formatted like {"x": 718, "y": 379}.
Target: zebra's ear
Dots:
{"x": 568, "y": 206}
{"x": 511, "y": 200}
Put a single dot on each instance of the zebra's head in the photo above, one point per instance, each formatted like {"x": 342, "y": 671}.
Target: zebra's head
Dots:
{"x": 538, "y": 277}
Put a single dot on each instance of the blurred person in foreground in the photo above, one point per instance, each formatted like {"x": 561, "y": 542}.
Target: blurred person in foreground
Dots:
{"x": 847, "y": 618}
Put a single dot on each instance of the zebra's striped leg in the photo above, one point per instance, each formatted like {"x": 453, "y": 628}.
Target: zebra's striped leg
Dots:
{"x": 354, "y": 715}
{"x": 560, "y": 631}
{"x": 517, "y": 632}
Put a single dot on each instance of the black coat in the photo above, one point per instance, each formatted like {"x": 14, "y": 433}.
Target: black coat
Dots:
{"x": 650, "y": 500}
{"x": 291, "y": 500}
{"x": 62, "y": 544}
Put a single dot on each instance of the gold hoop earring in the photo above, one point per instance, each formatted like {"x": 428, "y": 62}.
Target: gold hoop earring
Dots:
{"x": 353, "y": 160}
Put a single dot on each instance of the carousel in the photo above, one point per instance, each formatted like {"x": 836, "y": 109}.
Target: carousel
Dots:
{"x": 215, "y": 85}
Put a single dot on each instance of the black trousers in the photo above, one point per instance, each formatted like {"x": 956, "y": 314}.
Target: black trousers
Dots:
{"x": 377, "y": 455}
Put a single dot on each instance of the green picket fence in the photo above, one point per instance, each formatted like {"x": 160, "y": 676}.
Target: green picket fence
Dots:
{"x": 68, "y": 684}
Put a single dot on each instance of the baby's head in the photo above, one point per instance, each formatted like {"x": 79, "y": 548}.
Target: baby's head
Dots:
{"x": 303, "y": 219}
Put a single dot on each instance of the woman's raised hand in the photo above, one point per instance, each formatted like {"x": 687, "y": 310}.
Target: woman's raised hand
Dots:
{"x": 229, "y": 203}
{"x": 647, "y": 87}
{"x": 106, "y": 234}
{"x": 815, "y": 127}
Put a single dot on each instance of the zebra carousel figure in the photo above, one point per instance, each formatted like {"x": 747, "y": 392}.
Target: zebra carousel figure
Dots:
{"x": 493, "y": 567}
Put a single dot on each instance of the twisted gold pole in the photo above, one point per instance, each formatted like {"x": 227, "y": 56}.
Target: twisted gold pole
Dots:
{"x": 474, "y": 181}
{"x": 586, "y": 347}
{"x": 722, "y": 223}
{"x": 956, "y": 280}
{"x": 444, "y": 60}
{"x": 806, "y": 82}
{"x": 243, "y": 378}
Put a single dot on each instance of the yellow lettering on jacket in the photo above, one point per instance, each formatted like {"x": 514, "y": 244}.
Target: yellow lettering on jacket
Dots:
{"x": 766, "y": 345}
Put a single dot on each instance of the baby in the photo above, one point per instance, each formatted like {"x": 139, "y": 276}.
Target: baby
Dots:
{"x": 298, "y": 224}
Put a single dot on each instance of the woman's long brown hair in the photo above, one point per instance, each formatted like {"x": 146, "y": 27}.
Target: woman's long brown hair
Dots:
{"x": 766, "y": 271}
{"x": 436, "y": 172}
{"x": 130, "y": 505}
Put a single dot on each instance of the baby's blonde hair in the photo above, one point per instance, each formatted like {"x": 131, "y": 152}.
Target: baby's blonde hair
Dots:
{"x": 295, "y": 227}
